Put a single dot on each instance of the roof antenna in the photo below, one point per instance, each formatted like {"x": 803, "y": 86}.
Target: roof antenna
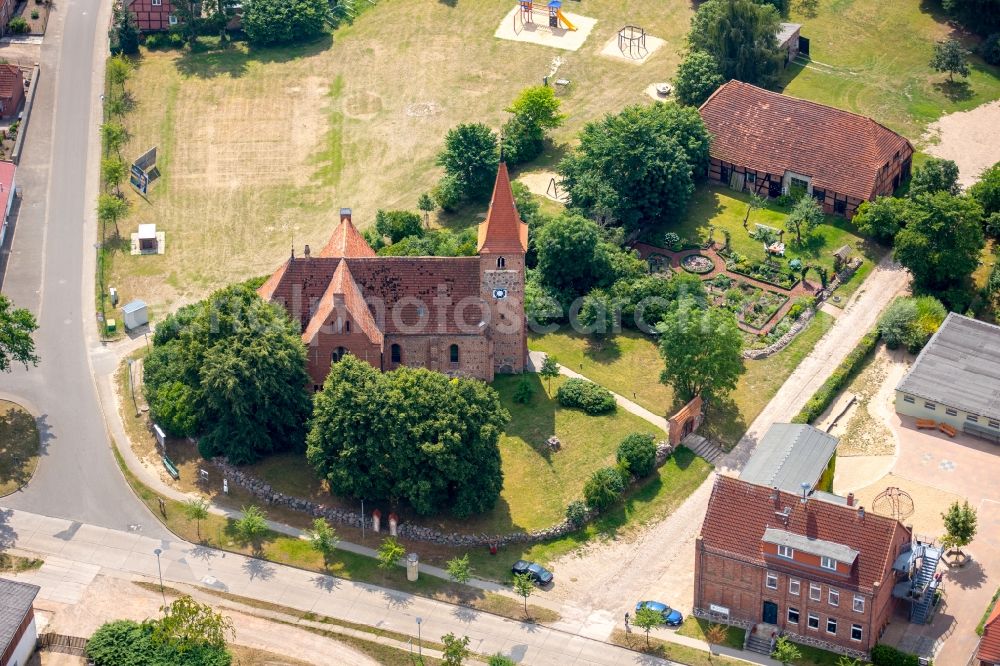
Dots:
{"x": 805, "y": 491}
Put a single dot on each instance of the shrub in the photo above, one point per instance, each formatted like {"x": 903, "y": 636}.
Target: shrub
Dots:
{"x": 639, "y": 451}
{"x": 34, "y": 14}
{"x": 576, "y": 513}
{"x": 447, "y": 194}
{"x": 911, "y": 322}
{"x": 886, "y": 655}
{"x": 588, "y": 396}
{"x": 990, "y": 49}
{"x": 18, "y": 25}
{"x": 801, "y": 305}
{"x": 524, "y": 391}
{"x": 603, "y": 488}
{"x": 828, "y": 391}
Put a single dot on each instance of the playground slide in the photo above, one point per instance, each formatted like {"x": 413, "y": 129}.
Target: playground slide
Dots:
{"x": 562, "y": 17}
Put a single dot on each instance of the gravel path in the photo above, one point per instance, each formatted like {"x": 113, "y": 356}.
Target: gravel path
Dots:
{"x": 659, "y": 562}
{"x": 970, "y": 138}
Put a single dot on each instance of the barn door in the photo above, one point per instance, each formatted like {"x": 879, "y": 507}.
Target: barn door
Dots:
{"x": 803, "y": 45}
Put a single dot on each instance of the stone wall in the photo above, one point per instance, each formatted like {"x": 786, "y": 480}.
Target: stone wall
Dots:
{"x": 783, "y": 341}
{"x": 405, "y": 530}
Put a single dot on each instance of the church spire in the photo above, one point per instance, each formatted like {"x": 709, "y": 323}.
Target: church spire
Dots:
{"x": 503, "y": 230}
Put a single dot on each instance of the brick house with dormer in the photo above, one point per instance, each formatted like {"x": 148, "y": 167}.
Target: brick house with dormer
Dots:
{"x": 818, "y": 568}
{"x": 457, "y": 315}
{"x": 152, "y": 15}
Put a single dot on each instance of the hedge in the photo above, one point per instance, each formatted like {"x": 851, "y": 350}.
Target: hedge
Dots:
{"x": 886, "y": 655}
{"x": 831, "y": 387}
{"x": 588, "y": 396}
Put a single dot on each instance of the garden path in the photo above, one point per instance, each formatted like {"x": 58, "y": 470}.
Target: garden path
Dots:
{"x": 801, "y": 288}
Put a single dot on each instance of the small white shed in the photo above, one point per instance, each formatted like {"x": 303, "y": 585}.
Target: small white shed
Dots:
{"x": 135, "y": 314}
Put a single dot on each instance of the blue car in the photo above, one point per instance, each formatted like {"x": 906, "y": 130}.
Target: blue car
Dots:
{"x": 539, "y": 575}
{"x": 671, "y": 617}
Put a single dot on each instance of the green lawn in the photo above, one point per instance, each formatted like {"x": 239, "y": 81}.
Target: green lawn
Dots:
{"x": 630, "y": 364}
{"x": 694, "y": 627}
{"x": 871, "y": 58}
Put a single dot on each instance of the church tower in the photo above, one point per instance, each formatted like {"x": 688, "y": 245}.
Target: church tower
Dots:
{"x": 503, "y": 242}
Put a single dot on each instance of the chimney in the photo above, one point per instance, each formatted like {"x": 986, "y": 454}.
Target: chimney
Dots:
{"x": 293, "y": 252}
{"x": 306, "y": 251}
{"x": 850, "y": 499}
{"x": 861, "y": 512}
{"x": 805, "y": 491}
{"x": 345, "y": 214}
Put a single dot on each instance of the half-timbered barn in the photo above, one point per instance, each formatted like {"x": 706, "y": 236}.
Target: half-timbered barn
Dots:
{"x": 773, "y": 144}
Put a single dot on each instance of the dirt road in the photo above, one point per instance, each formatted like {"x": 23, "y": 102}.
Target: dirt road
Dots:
{"x": 601, "y": 582}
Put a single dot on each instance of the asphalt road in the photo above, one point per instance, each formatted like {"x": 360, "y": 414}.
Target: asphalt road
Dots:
{"x": 50, "y": 271}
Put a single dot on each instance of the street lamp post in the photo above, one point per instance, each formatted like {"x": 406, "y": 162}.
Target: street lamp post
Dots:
{"x": 159, "y": 570}
{"x": 420, "y": 646}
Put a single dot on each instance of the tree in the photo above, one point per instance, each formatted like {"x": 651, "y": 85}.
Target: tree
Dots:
{"x": 230, "y": 369}
{"x": 697, "y": 77}
{"x": 217, "y": 14}
{"x": 982, "y": 16}
{"x": 960, "y": 525}
{"x": 936, "y": 175}
{"x": 989, "y": 49}
{"x": 599, "y": 314}
{"x": 189, "y": 18}
{"x": 196, "y": 509}
{"x": 113, "y": 173}
{"x": 455, "y": 649}
{"x": 603, "y": 488}
{"x": 638, "y": 449}
{"x": 114, "y": 136}
{"x": 568, "y": 256}
{"x": 323, "y": 538}
{"x": 549, "y": 370}
{"x": 398, "y": 224}
{"x": 129, "y": 643}
{"x": 576, "y": 513}
{"x": 16, "y": 328}
{"x": 805, "y": 216}
{"x": 410, "y": 435}
{"x": 987, "y": 190}
{"x": 459, "y": 569}
{"x": 638, "y": 167}
{"x": 716, "y": 634}
{"x": 535, "y": 110}
{"x": 911, "y": 322}
{"x": 524, "y": 586}
{"x": 949, "y": 56}
{"x": 119, "y": 69}
{"x": 251, "y": 526}
{"x": 785, "y": 651}
{"x": 524, "y": 391}
{"x": 124, "y": 31}
{"x": 426, "y": 205}
{"x": 271, "y": 22}
{"x": 741, "y": 36}
{"x": 882, "y": 218}
{"x": 755, "y": 202}
{"x": 188, "y": 624}
{"x": 448, "y": 193}
{"x": 389, "y": 553}
{"x": 942, "y": 241}
{"x": 647, "y": 619}
{"x": 110, "y": 209}
{"x": 470, "y": 157}
{"x": 702, "y": 351}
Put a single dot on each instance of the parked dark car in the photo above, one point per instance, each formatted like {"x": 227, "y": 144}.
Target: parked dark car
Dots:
{"x": 539, "y": 574}
{"x": 671, "y": 617}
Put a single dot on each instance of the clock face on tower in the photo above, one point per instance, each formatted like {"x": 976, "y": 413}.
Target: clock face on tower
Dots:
{"x": 499, "y": 293}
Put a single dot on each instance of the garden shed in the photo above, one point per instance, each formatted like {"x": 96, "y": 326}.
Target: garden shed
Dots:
{"x": 136, "y": 314}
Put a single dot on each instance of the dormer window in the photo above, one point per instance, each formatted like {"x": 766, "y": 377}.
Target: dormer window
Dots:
{"x": 828, "y": 563}
{"x": 786, "y": 551}
{"x": 501, "y": 262}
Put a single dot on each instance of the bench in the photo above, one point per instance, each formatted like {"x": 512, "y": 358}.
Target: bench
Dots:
{"x": 171, "y": 468}
{"x": 926, "y": 423}
{"x": 947, "y": 429}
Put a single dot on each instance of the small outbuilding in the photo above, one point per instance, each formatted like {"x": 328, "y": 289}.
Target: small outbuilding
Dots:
{"x": 18, "y": 634}
{"x": 135, "y": 314}
{"x": 788, "y": 40}
{"x": 147, "y": 238}
{"x": 790, "y": 454}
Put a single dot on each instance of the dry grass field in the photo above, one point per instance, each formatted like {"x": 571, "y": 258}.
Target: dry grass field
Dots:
{"x": 258, "y": 149}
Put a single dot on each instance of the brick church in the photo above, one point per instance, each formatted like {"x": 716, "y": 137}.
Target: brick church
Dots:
{"x": 457, "y": 315}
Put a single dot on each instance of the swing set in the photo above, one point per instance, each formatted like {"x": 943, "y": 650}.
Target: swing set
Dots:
{"x": 553, "y": 11}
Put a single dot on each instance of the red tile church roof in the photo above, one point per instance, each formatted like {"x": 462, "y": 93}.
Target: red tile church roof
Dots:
{"x": 771, "y": 132}
{"x": 346, "y": 241}
{"x": 503, "y": 230}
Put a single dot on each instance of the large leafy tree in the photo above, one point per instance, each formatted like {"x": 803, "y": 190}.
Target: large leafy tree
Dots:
{"x": 742, "y": 37}
{"x": 411, "y": 435}
{"x": 987, "y": 190}
{"x": 124, "y": 31}
{"x": 230, "y": 369}
{"x": 982, "y": 16}
{"x": 949, "y": 56}
{"x": 942, "y": 241}
{"x": 16, "y": 328}
{"x": 698, "y": 76}
{"x": 535, "y": 111}
{"x": 398, "y": 224}
{"x": 570, "y": 259}
{"x": 936, "y": 175}
{"x": 882, "y": 218}
{"x": 701, "y": 350}
{"x": 270, "y": 22}
{"x": 960, "y": 524}
{"x": 638, "y": 167}
{"x": 470, "y": 158}
{"x": 805, "y": 216}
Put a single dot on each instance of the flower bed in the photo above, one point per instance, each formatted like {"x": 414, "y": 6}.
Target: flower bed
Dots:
{"x": 698, "y": 264}
{"x": 760, "y": 309}
{"x": 772, "y": 275}
{"x": 659, "y": 264}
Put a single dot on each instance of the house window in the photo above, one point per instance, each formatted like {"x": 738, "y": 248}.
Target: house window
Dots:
{"x": 347, "y": 327}
{"x": 819, "y": 195}
{"x": 798, "y": 183}
{"x": 839, "y": 207}
{"x": 834, "y": 598}
{"x": 501, "y": 262}
{"x": 896, "y": 156}
{"x": 316, "y": 388}
{"x": 338, "y": 354}
{"x": 813, "y": 621}
{"x": 909, "y": 399}
{"x": 929, "y": 405}
{"x": 395, "y": 354}
{"x": 828, "y": 563}
{"x": 972, "y": 418}
{"x": 453, "y": 353}
{"x": 751, "y": 176}
{"x": 814, "y": 591}
{"x": 173, "y": 20}
{"x": 793, "y": 615}
{"x": 793, "y": 586}
{"x": 831, "y": 625}
{"x": 859, "y": 604}
{"x": 855, "y": 632}
{"x": 786, "y": 551}
{"x": 951, "y": 412}
{"x": 994, "y": 424}
{"x": 772, "y": 581}
{"x": 157, "y": 3}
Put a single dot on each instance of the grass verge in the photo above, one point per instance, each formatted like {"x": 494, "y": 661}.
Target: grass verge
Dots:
{"x": 665, "y": 650}
{"x": 16, "y": 564}
{"x": 19, "y": 447}
{"x": 694, "y": 627}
